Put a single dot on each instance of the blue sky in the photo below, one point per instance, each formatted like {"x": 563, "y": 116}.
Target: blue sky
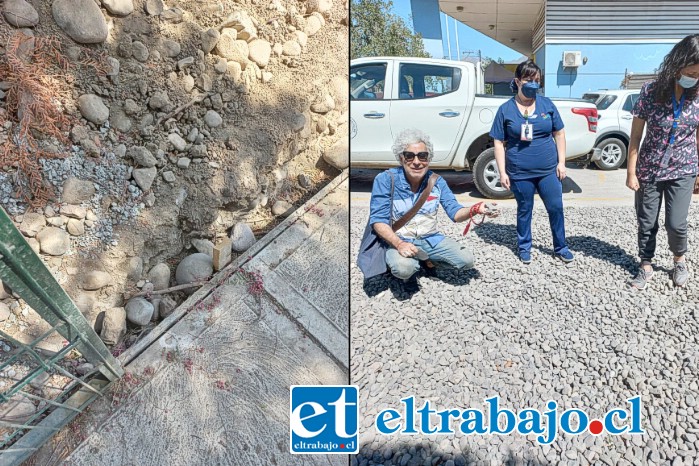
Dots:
{"x": 469, "y": 39}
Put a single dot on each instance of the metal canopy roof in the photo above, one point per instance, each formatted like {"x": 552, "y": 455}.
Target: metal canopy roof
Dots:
{"x": 509, "y": 22}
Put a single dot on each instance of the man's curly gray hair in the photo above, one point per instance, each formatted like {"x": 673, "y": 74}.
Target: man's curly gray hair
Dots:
{"x": 411, "y": 136}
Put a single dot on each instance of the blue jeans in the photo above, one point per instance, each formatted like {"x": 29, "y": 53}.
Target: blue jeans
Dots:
{"x": 447, "y": 251}
{"x": 551, "y": 192}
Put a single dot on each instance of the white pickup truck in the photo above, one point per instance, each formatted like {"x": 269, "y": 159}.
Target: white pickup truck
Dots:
{"x": 439, "y": 97}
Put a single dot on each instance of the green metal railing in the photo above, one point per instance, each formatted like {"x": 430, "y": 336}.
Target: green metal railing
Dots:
{"x": 23, "y": 271}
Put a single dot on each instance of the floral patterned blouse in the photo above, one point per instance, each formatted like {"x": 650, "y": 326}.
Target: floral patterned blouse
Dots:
{"x": 682, "y": 161}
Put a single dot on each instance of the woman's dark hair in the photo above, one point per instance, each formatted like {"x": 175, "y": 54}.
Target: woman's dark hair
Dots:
{"x": 685, "y": 53}
{"x": 525, "y": 70}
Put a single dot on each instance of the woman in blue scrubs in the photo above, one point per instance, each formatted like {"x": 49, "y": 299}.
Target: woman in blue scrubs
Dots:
{"x": 530, "y": 149}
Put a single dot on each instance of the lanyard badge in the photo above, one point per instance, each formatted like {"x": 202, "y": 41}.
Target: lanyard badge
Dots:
{"x": 527, "y": 132}
{"x": 676, "y": 112}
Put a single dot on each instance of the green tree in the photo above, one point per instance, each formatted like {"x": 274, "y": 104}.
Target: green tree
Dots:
{"x": 376, "y": 31}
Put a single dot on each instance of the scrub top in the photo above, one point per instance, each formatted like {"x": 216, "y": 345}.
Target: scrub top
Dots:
{"x": 528, "y": 159}
{"x": 682, "y": 157}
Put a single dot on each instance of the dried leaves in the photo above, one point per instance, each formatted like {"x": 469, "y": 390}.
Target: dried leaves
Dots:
{"x": 35, "y": 71}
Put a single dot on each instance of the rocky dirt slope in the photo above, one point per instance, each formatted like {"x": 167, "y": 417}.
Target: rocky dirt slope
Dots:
{"x": 190, "y": 128}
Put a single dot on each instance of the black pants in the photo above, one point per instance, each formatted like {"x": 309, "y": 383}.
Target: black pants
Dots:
{"x": 649, "y": 198}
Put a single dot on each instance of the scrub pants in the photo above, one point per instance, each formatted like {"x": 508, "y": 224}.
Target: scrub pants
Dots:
{"x": 550, "y": 190}
{"x": 649, "y": 197}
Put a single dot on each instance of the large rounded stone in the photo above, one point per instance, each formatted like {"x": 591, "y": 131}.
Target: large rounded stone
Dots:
{"x": 140, "y": 51}
{"x": 235, "y": 70}
{"x": 73, "y": 211}
{"x": 314, "y": 23}
{"x": 339, "y": 91}
{"x": 96, "y": 279}
{"x": 193, "y": 268}
{"x": 242, "y": 237}
{"x": 291, "y": 48}
{"x": 232, "y": 49}
{"x": 177, "y": 141}
{"x": 118, "y": 7}
{"x": 260, "y": 51}
{"x": 338, "y": 154}
{"x": 209, "y": 39}
{"x": 4, "y": 311}
{"x": 300, "y": 37}
{"x": 75, "y": 227}
{"x": 134, "y": 269}
{"x": 5, "y": 291}
{"x": 203, "y": 245}
{"x": 282, "y": 208}
{"x": 143, "y": 157}
{"x": 119, "y": 121}
{"x": 32, "y": 224}
{"x": 324, "y": 105}
{"x": 113, "y": 325}
{"x": 76, "y": 191}
{"x": 93, "y": 109}
{"x": 139, "y": 311}
{"x": 53, "y": 241}
{"x": 167, "y": 305}
{"x": 144, "y": 177}
{"x": 171, "y": 48}
{"x": 159, "y": 276}
{"x": 82, "y": 20}
{"x": 242, "y": 23}
{"x": 321, "y": 6}
{"x": 154, "y": 7}
{"x": 20, "y": 14}
{"x": 213, "y": 119}
{"x": 159, "y": 100}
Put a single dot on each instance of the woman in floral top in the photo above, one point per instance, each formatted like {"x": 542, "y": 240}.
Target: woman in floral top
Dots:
{"x": 666, "y": 165}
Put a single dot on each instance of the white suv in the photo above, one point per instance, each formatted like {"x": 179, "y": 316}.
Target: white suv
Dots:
{"x": 613, "y": 125}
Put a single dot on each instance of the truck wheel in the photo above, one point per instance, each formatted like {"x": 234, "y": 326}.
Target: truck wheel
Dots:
{"x": 613, "y": 153}
{"x": 487, "y": 177}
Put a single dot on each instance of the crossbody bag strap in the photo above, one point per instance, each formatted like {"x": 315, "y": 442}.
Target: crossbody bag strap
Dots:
{"x": 400, "y": 223}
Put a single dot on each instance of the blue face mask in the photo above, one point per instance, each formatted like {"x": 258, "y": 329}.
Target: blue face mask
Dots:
{"x": 529, "y": 89}
{"x": 687, "y": 82}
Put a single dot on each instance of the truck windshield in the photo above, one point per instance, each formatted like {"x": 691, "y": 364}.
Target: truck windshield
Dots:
{"x": 602, "y": 101}
{"x": 605, "y": 102}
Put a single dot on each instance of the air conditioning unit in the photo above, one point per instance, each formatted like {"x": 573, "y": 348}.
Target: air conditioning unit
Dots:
{"x": 572, "y": 59}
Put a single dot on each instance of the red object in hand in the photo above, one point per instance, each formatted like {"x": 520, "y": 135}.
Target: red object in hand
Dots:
{"x": 473, "y": 211}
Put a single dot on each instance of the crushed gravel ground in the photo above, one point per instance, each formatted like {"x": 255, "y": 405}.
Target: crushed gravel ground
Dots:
{"x": 572, "y": 333}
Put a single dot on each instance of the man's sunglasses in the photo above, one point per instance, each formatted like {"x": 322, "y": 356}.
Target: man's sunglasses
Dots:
{"x": 421, "y": 156}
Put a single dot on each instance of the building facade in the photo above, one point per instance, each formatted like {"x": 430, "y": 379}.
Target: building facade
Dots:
{"x": 583, "y": 45}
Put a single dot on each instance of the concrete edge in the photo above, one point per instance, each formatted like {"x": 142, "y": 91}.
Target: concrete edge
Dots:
{"x": 315, "y": 324}
{"x": 202, "y": 293}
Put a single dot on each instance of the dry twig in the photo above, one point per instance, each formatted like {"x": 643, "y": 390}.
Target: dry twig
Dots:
{"x": 195, "y": 100}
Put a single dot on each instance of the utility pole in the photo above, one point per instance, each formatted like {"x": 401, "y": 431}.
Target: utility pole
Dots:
{"x": 456, "y": 32}
{"x": 446, "y": 21}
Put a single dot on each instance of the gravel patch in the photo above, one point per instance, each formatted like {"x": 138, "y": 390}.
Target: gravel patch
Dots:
{"x": 567, "y": 332}
{"x": 110, "y": 176}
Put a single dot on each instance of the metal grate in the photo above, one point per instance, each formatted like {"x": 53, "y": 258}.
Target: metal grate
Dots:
{"x": 25, "y": 274}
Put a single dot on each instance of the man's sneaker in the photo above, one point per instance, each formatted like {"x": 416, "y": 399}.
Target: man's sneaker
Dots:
{"x": 680, "y": 274}
{"x": 566, "y": 256}
{"x": 641, "y": 279}
{"x": 525, "y": 257}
